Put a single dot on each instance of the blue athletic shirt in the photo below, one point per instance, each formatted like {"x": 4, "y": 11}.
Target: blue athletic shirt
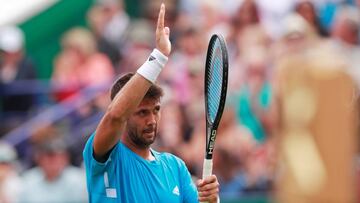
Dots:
{"x": 128, "y": 178}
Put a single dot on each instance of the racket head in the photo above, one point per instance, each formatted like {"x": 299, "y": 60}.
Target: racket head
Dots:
{"x": 216, "y": 80}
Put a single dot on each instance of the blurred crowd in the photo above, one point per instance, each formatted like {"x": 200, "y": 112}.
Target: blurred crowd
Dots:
{"x": 260, "y": 34}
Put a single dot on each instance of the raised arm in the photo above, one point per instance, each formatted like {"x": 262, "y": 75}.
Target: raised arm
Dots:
{"x": 112, "y": 125}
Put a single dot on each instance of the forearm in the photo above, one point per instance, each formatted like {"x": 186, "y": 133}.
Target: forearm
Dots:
{"x": 126, "y": 101}
{"x": 130, "y": 96}
{"x": 113, "y": 123}
{"x": 132, "y": 93}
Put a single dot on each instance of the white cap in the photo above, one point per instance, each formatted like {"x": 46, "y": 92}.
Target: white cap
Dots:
{"x": 294, "y": 24}
{"x": 11, "y": 39}
{"x": 7, "y": 152}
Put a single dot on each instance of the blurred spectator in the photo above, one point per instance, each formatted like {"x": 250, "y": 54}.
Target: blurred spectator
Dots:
{"x": 231, "y": 178}
{"x": 192, "y": 152}
{"x": 273, "y": 12}
{"x": 345, "y": 39}
{"x": 116, "y": 20}
{"x": 255, "y": 96}
{"x": 233, "y": 145}
{"x": 246, "y": 15}
{"x": 97, "y": 21}
{"x": 297, "y": 37}
{"x": 212, "y": 16}
{"x": 79, "y": 64}
{"x": 346, "y": 25}
{"x": 138, "y": 45}
{"x": 328, "y": 10}
{"x": 185, "y": 66}
{"x": 173, "y": 128}
{"x": 252, "y": 35}
{"x": 150, "y": 11}
{"x": 244, "y": 30}
{"x": 53, "y": 180}
{"x": 109, "y": 21}
{"x": 10, "y": 182}
{"x": 307, "y": 10}
{"x": 15, "y": 67}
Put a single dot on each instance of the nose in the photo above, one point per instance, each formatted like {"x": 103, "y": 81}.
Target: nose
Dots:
{"x": 151, "y": 119}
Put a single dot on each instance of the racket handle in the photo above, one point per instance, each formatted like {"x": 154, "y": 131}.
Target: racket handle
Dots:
{"x": 207, "y": 169}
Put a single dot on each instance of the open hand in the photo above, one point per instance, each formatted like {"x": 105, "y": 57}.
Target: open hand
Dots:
{"x": 163, "y": 43}
{"x": 208, "y": 189}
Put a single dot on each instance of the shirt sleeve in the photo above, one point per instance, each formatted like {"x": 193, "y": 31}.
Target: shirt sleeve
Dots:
{"x": 189, "y": 191}
{"x": 92, "y": 166}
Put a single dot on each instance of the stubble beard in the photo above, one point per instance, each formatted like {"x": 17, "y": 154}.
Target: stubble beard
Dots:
{"x": 139, "y": 139}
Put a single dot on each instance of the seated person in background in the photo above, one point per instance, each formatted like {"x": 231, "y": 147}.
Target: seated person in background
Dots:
{"x": 80, "y": 64}
{"x": 15, "y": 67}
{"x": 53, "y": 179}
{"x": 10, "y": 182}
{"x": 255, "y": 96}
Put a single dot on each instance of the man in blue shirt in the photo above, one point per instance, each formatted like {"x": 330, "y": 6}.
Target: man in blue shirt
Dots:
{"x": 120, "y": 165}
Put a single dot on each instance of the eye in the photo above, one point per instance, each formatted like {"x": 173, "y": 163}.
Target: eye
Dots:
{"x": 157, "y": 109}
{"x": 142, "y": 113}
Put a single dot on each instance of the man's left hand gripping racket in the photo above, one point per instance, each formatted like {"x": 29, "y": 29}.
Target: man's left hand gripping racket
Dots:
{"x": 216, "y": 79}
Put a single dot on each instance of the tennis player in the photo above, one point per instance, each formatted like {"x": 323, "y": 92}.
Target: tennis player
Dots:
{"x": 120, "y": 164}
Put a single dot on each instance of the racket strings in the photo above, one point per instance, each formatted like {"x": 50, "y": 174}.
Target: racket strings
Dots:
{"x": 215, "y": 77}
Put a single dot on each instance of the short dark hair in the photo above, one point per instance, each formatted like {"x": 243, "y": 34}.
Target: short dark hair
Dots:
{"x": 154, "y": 92}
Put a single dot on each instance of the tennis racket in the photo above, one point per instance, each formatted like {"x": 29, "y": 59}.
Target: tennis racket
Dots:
{"x": 216, "y": 79}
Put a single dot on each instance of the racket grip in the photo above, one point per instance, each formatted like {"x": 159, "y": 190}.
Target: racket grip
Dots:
{"x": 207, "y": 168}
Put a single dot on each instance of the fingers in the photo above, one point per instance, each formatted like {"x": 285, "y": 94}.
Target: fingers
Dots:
{"x": 207, "y": 180}
{"x": 209, "y": 195}
{"x": 211, "y": 198}
{"x": 208, "y": 192}
{"x": 163, "y": 43}
{"x": 167, "y": 31}
{"x": 160, "y": 22}
{"x": 208, "y": 189}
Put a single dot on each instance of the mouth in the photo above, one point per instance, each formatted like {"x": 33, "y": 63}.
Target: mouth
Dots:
{"x": 149, "y": 132}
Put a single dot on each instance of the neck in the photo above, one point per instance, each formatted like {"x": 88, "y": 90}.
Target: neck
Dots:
{"x": 144, "y": 152}
{"x": 51, "y": 176}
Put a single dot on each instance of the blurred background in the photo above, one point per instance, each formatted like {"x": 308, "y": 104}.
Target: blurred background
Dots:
{"x": 289, "y": 132}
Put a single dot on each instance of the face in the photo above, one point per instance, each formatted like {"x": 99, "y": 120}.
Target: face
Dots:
{"x": 142, "y": 124}
{"x": 342, "y": 30}
{"x": 52, "y": 163}
{"x": 307, "y": 11}
{"x": 5, "y": 169}
{"x": 247, "y": 13}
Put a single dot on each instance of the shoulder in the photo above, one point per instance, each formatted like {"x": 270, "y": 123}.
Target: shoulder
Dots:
{"x": 99, "y": 60}
{"x": 170, "y": 159}
{"x": 88, "y": 146}
{"x": 26, "y": 61}
{"x": 73, "y": 176}
{"x": 73, "y": 171}
{"x": 32, "y": 174}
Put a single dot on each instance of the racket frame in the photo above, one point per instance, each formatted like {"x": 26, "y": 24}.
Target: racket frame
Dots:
{"x": 211, "y": 127}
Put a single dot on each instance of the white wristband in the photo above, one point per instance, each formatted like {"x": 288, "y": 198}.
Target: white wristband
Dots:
{"x": 151, "y": 69}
